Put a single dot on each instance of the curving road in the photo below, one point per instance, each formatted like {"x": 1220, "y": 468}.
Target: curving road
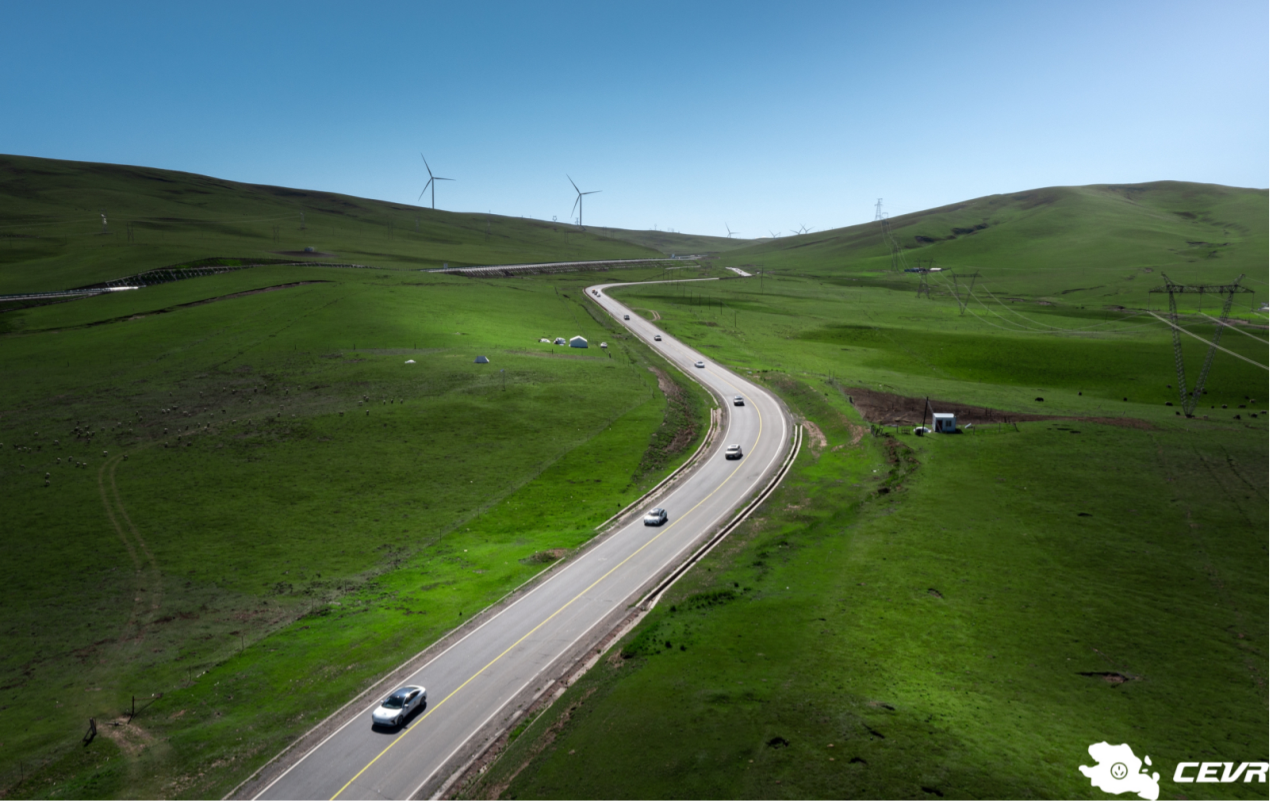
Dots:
{"x": 481, "y": 682}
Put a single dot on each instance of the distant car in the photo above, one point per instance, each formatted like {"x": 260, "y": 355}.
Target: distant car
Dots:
{"x": 399, "y": 706}
{"x": 656, "y": 517}
{"x": 734, "y": 452}
{"x": 659, "y": 337}
{"x": 625, "y": 317}
{"x": 738, "y": 401}
{"x": 698, "y": 363}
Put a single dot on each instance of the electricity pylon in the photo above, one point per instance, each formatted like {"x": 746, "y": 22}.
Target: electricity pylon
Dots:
{"x": 1190, "y": 399}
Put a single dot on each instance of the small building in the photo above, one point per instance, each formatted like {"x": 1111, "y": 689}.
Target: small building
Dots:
{"x": 481, "y": 360}
{"x": 578, "y": 342}
{"x": 945, "y": 422}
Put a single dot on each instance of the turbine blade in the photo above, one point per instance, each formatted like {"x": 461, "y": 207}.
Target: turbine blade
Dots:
{"x": 440, "y": 178}
{"x": 592, "y": 192}
{"x": 422, "y": 158}
{"x": 422, "y": 194}
{"x": 568, "y": 178}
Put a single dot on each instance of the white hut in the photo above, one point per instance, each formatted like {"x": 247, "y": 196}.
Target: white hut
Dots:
{"x": 578, "y": 342}
{"x": 945, "y": 422}
{"x": 557, "y": 341}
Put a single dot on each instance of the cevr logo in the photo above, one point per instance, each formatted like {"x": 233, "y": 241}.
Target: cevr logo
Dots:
{"x": 1221, "y": 772}
{"x": 1119, "y": 770}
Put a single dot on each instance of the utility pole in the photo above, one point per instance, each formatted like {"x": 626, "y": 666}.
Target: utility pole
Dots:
{"x": 1190, "y": 400}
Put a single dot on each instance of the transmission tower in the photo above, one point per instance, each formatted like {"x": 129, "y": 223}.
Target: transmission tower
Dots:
{"x": 898, "y": 262}
{"x": 1190, "y": 399}
{"x": 972, "y": 277}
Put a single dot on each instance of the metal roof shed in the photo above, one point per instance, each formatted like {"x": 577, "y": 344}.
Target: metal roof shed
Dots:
{"x": 945, "y": 422}
{"x": 578, "y": 342}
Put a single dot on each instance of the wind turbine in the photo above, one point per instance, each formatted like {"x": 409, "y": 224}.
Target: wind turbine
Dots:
{"x": 794, "y": 231}
{"x": 774, "y": 235}
{"x": 430, "y": 184}
{"x": 579, "y": 199}
{"x": 731, "y": 233}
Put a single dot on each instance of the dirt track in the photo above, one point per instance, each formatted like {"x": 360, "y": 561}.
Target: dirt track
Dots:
{"x": 879, "y": 407}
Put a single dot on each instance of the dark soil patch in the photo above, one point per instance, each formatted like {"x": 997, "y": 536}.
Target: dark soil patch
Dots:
{"x": 1113, "y": 678}
{"x": 890, "y": 409}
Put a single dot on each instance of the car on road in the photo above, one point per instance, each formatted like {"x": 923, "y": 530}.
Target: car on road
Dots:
{"x": 698, "y": 363}
{"x": 734, "y": 452}
{"x": 738, "y": 401}
{"x": 656, "y": 517}
{"x": 625, "y": 317}
{"x": 659, "y": 337}
{"x": 399, "y": 706}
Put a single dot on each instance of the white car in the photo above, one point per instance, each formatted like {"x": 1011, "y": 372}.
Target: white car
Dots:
{"x": 734, "y": 452}
{"x": 656, "y": 517}
{"x": 659, "y": 337}
{"x": 698, "y": 363}
{"x": 399, "y": 706}
{"x": 738, "y": 401}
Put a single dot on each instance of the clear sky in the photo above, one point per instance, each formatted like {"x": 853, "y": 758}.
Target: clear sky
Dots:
{"x": 689, "y": 116}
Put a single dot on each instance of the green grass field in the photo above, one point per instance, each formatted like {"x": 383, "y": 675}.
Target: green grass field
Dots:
{"x": 949, "y": 638}
{"x": 946, "y": 616}
{"x": 235, "y": 492}
{"x": 51, "y": 234}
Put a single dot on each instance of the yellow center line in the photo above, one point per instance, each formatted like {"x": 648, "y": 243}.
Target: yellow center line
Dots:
{"x": 662, "y": 532}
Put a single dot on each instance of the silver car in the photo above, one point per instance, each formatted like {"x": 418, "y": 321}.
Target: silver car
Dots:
{"x": 399, "y": 706}
{"x": 698, "y": 363}
{"x": 734, "y": 452}
{"x": 738, "y": 401}
{"x": 656, "y": 517}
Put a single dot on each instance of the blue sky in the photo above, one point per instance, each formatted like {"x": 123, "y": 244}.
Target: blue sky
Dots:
{"x": 687, "y": 116}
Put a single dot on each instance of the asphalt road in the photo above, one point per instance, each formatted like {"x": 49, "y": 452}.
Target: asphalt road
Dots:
{"x": 502, "y": 663}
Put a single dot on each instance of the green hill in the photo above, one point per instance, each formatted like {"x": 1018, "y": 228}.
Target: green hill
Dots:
{"x": 1105, "y": 241}
{"x": 668, "y": 242}
{"x": 52, "y": 236}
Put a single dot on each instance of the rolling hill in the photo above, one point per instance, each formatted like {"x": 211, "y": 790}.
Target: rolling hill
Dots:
{"x": 52, "y": 234}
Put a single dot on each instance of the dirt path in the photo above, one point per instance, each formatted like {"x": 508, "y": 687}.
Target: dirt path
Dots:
{"x": 880, "y": 407}
{"x": 148, "y": 589}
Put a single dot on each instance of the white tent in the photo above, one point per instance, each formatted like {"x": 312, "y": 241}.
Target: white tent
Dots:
{"x": 578, "y": 342}
{"x": 482, "y": 360}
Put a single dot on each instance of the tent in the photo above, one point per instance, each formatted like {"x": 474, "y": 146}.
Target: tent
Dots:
{"x": 410, "y": 362}
{"x": 482, "y": 360}
{"x": 578, "y": 342}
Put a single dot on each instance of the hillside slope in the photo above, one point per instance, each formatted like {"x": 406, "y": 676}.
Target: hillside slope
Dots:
{"x": 1114, "y": 240}
{"x": 669, "y": 242}
{"x": 52, "y": 235}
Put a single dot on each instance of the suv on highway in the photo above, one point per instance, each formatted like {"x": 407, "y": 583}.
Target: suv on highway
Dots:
{"x": 738, "y": 401}
{"x": 734, "y": 452}
{"x": 656, "y": 517}
{"x": 659, "y": 337}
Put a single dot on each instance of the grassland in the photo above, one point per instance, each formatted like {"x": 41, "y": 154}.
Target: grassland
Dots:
{"x": 1097, "y": 246}
{"x": 946, "y": 616}
{"x": 255, "y": 506}
{"x": 234, "y": 498}
{"x": 52, "y": 238}
{"x": 670, "y": 242}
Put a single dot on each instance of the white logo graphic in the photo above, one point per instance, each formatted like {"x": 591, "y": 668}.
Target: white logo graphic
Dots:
{"x": 1119, "y": 770}
{"x": 1221, "y": 772}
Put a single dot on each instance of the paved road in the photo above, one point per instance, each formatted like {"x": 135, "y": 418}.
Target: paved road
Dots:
{"x": 482, "y": 679}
